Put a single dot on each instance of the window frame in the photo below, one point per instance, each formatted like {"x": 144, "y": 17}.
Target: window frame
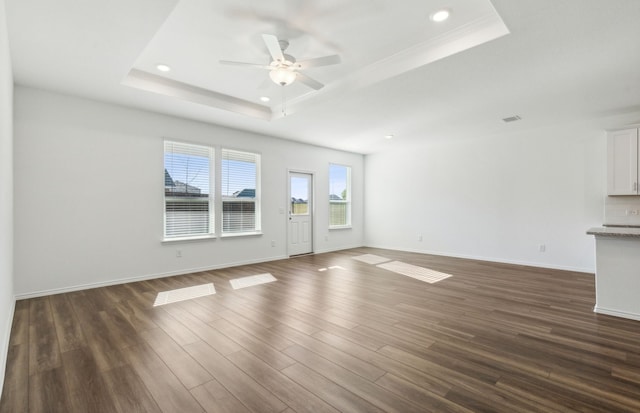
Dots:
{"x": 256, "y": 200}
{"x": 211, "y": 230}
{"x": 347, "y": 202}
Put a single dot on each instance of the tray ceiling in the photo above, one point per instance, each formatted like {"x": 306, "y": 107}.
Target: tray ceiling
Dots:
{"x": 376, "y": 40}
{"x": 401, "y": 74}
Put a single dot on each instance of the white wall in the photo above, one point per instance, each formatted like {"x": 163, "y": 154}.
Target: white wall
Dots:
{"x": 6, "y": 194}
{"x": 89, "y": 194}
{"x": 616, "y": 207}
{"x": 492, "y": 198}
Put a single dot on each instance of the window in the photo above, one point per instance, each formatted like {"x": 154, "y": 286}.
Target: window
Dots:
{"x": 188, "y": 200}
{"x": 339, "y": 196}
{"x": 300, "y": 186}
{"x": 240, "y": 192}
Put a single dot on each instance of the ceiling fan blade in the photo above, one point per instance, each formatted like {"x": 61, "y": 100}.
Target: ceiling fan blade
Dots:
{"x": 319, "y": 61}
{"x": 313, "y": 84}
{"x": 228, "y": 62}
{"x": 274, "y": 47}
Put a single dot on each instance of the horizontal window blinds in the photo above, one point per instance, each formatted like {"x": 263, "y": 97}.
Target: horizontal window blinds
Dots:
{"x": 240, "y": 191}
{"x": 188, "y": 190}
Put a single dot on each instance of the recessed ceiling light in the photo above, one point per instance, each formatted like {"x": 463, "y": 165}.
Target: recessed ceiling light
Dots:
{"x": 265, "y": 98}
{"x": 440, "y": 15}
{"x": 388, "y": 136}
{"x": 163, "y": 68}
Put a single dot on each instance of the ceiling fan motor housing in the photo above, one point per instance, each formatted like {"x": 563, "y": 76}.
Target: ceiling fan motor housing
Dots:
{"x": 283, "y": 68}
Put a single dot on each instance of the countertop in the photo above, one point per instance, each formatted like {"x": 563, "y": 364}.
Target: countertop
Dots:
{"x": 614, "y": 231}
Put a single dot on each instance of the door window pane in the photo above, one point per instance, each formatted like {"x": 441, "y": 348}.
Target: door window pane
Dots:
{"x": 299, "y": 196}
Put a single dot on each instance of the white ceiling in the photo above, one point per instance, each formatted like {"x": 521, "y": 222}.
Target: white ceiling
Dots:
{"x": 548, "y": 61}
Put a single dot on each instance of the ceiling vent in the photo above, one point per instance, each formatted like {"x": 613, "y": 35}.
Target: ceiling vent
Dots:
{"x": 511, "y": 119}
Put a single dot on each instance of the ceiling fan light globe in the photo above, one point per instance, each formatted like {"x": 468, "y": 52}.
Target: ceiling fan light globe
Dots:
{"x": 282, "y": 77}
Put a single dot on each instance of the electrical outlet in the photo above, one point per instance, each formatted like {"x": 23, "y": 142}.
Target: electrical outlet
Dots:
{"x": 273, "y": 243}
{"x": 419, "y": 238}
{"x": 178, "y": 253}
{"x": 542, "y": 248}
{"x": 326, "y": 238}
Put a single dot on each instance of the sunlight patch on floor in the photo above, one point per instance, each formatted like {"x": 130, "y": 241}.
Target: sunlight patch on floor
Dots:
{"x": 413, "y": 271}
{"x": 333, "y": 267}
{"x": 182, "y": 294}
{"x": 371, "y": 259}
{"x": 252, "y": 280}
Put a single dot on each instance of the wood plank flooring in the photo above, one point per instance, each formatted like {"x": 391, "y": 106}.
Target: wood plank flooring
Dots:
{"x": 358, "y": 338}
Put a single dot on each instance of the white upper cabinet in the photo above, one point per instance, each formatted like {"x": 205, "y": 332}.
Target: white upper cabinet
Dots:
{"x": 622, "y": 162}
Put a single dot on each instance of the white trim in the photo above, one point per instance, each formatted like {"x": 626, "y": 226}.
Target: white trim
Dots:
{"x": 5, "y": 343}
{"x": 590, "y": 271}
{"x": 210, "y": 200}
{"x": 241, "y": 234}
{"x": 256, "y": 200}
{"x": 312, "y": 210}
{"x": 193, "y": 238}
{"x": 339, "y": 248}
{"x": 616, "y": 313}
{"x": 42, "y": 293}
{"x": 347, "y": 202}
{"x": 80, "y": 287}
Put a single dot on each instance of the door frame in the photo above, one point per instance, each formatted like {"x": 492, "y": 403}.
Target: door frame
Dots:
{"x": 312, "y": 210}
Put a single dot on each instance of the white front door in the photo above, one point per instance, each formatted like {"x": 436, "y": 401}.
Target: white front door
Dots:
{"x": 300, "y": 213}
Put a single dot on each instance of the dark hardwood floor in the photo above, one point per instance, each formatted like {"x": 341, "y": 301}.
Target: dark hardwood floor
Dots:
{"x": 491, "y": 338}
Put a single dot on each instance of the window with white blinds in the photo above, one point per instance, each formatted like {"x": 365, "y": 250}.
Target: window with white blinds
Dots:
{"x": 240, "y": 190}
{"x": 188, "y": 190}
{"x": 339, "y": 196}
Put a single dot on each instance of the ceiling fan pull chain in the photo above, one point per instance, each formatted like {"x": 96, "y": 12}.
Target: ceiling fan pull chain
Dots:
{"x": 284, "y": 102}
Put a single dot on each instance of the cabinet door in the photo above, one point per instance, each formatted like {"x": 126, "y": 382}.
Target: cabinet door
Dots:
{"x": 622, "y": 162}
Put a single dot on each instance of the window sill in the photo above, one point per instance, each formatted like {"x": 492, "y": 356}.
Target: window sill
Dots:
{"x": 340, "y": 227}
{"x": 187, "y": 239}
{"x": 241, "y": 234}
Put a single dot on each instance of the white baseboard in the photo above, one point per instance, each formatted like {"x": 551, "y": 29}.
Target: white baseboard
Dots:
{"x": 490, "y": 259}
{"x": 6, "y": 337}
{"x": 80, "y": 287}
{"x": 42, "y": 293}
{"x": 340, "y": 248}
{"x": 616, "y": 313}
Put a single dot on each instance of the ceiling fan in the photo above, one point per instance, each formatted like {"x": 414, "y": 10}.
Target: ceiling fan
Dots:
{"x": 284, "y": 69}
